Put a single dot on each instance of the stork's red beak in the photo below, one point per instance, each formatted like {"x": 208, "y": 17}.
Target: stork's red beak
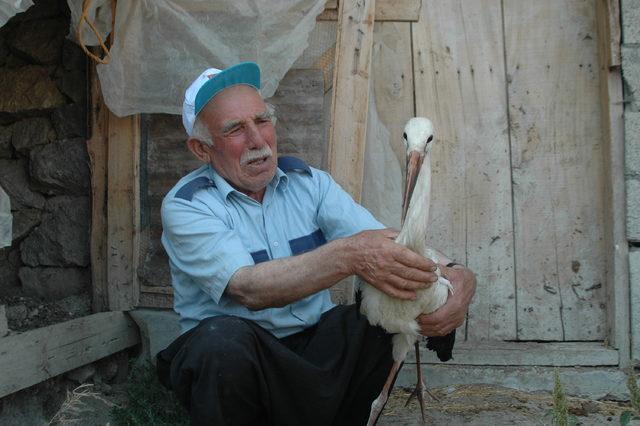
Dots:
{"x": 414, "y": 163}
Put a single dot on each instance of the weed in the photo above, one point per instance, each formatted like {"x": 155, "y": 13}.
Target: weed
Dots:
{"x": 75, "y": 405}
{"x": 560, "y": 412}
{"x": 634, "y": 392}
{"x": 149, "y": 402}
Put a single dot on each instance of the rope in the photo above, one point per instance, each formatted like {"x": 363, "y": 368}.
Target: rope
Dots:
{"x": 86, "y": 5}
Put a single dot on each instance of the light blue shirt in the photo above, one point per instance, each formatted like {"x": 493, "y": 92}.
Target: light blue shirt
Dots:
{"x": 210, "y": 230}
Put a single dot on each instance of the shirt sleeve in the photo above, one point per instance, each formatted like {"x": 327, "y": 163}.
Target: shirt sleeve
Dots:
{"x": 338, "y": 215}
{"x": 201, "y": 245}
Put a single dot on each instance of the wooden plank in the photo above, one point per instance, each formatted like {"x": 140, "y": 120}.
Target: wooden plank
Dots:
{"x": 615, "y": 240}
{"x": 392, "y": 71}
{"x": 386, "y": 10}
{"x": 351, "y": 94}
{"x": 460, "y": 85}
{"x": 31, "y": 357}
{"x": 97, "y": 150}
{"x": 556, "y": 141}
{"x": 567, "y": 354}
{"x": 123, "y": 211}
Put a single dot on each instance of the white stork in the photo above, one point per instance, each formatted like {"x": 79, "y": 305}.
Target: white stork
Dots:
{"x": 396, "y": 315}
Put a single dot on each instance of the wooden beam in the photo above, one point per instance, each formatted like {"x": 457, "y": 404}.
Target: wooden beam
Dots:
{"x": 386, "y": 10}
{"x": 97, "y": 149}
{"x": 350, "y": 101}
{"x": 616, "y": 246}
{"x": 31, "y": 357}
{"x": 560, "y": 354}
{"x": 123, "y": 211}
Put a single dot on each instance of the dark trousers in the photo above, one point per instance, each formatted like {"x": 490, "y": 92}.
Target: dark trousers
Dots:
{"x": 230, "y": 371}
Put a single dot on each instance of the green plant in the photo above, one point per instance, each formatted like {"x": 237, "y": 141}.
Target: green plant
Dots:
{"x": 560, "y": 412}
{"x": 634, "y": 392}
{"x": 149, "y": 403}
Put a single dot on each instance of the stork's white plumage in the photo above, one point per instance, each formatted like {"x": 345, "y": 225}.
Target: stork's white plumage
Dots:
{"x": 396, "y": 315}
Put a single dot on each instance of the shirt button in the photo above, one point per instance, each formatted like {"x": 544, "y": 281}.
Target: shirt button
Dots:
{"x": 275, "y": 244}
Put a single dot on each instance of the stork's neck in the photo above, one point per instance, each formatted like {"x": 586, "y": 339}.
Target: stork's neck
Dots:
{"x": 414, "y": 229}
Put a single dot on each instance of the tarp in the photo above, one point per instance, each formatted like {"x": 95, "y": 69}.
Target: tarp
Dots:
{"x": 162, "y": 45}
{"x": 8, "y": 8}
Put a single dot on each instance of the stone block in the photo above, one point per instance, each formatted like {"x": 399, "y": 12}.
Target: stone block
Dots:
{"x": 39, "y": 41}
{"x": 630, "y": 11}
{"x": 15, "y": 182}
{"x": 74, "y": 85}
{"x": 633, "y": 209}
{"x": 69, "y": 121}
{"x": 6, "y": 133}
{"x": 61, "y": 167}
{"x": 28, "y": 88}
{"x": 9, "y": 266}
{"x": 631, "y": 74}
{"x": 32, "y": 132}
{"x": 24, "y": 221}
{"x": 158, "y": 328}
{"x": 73, "y": 58}
{"x": 62, "y": 239}
{"x": 54, "y": 283}
{"x": 4, "y": 324}
{"x": 634, "y": 278}
{"x": 632, "y": 143}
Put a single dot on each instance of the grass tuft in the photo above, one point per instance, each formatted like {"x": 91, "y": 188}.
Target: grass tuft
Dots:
{"x": 149, "y": 403}
{"x": 75, "y": 406}
{"x": 560, "y": 412}
{"x": 634, "y": 393}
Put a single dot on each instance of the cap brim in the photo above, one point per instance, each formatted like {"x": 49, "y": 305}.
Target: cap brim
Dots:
{"x": 247, "y": 73}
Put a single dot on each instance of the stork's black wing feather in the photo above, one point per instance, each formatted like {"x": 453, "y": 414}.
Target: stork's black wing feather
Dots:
{"x": 442, "y": 345}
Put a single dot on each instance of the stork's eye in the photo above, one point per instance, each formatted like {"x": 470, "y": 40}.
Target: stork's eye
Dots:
{"x": 404, "y": 135}
{"x": 430, "y": 139}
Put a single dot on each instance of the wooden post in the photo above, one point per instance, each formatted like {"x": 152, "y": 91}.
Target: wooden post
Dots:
{"x": 351, "y": 94}
{"x": 123, "y": 211}
{"x": 97, "y": 150}
{"x": 617, "y": 249}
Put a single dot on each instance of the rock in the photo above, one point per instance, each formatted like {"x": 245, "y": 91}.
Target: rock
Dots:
{"x": 54, "y": 283}
{"x": 39, "y": 41}
{"x": 62, "y": 239}
{"x": 16, "y": 312}
{"x": 61, "y": 167}
{"x": 9, "y": 265}
{"x": 73, "y": 58}
{"x": 15, "y": 182}
{"x": 74, "y": 85}
{"x": 24, "y": 221}
{"x": 82, "y": 374}
{"x": 30, "y": 133}
{"x": 4, "y": 325}
{"x": 77, "y": 305}
{"x": 69, "y": 121}
{"x": 28, "y": 88}
{"x": 6, "y": 133}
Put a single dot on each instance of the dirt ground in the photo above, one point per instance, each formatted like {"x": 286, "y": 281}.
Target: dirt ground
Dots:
{"x": 469, "y": 405}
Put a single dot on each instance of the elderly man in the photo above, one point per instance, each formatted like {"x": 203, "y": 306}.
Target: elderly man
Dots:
{"x": 254, "y": 243}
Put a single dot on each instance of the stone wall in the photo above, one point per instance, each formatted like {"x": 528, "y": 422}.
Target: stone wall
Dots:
{"x": 44, "y": 167}
{"x": 631, "y": 73}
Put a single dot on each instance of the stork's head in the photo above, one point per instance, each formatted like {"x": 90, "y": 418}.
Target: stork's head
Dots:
{"x": 418, "y": 135}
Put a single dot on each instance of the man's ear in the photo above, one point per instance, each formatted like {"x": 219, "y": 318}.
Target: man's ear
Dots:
{"x": 199, "y": 149}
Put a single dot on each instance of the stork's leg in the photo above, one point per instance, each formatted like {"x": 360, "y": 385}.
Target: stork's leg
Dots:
{"x": 420, "y": 388}
{"x": 378, "y": 404}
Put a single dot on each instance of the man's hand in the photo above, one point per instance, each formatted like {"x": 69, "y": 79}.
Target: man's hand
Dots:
{"x": 391, "y": 267}
{"x": 451, "y": 315}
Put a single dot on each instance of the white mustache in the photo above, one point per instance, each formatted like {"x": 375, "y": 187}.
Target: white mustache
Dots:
{"x": 264, "y": 152}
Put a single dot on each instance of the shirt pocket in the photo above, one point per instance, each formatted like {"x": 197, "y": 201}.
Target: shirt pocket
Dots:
{"x": 307, "y": 242}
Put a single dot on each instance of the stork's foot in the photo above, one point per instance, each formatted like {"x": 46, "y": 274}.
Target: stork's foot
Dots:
{"x": 419, "y": 393}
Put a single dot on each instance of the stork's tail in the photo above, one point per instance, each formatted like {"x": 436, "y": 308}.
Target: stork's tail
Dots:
{"x": 442, "y": 345}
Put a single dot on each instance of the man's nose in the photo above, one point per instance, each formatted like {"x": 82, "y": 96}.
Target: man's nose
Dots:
{"x": 254, "y": 137}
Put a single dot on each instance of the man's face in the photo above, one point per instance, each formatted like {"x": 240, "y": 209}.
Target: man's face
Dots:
{"x": 244, "y": 150}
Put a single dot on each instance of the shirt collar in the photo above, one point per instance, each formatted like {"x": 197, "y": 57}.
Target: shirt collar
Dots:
{"x": 280, "y": 179}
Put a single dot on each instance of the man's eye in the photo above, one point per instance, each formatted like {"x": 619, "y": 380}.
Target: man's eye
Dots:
{"x": 234, "y": 130}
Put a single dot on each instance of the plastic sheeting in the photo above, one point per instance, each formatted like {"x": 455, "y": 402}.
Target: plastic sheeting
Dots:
{"x": 161, "y": 45}
{"x": 8, "y": 8}
{"x": 6, "y": 220}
